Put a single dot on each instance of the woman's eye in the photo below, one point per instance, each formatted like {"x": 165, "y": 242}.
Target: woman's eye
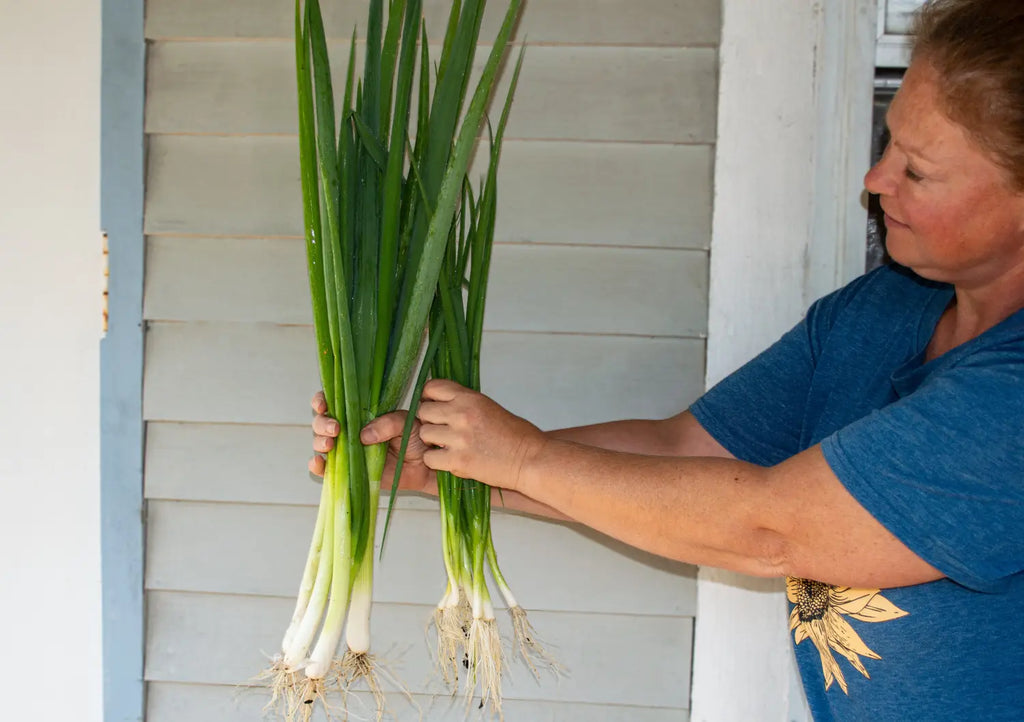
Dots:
{"x": 911, "y": 174}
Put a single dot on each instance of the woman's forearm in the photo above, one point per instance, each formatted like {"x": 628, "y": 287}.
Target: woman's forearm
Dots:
{"x": 680, "y": 435}
{"x": 514, "y": 501}
{"x": 503, "y": 499}
{"x": 701, "y": 510}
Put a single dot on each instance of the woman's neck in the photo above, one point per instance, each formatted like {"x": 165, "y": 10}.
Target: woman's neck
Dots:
{"x": 972, "y": 312}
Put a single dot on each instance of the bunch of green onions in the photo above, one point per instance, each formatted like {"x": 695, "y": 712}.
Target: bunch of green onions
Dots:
{"x": 378, "y": 212}
{"x": 467, "y": 634}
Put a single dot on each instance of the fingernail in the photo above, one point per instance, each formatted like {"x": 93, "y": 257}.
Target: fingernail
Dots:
{"x": 334, "y": 428}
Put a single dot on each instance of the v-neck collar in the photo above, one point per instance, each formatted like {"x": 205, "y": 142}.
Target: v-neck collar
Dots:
{"x": 911, "y": 374}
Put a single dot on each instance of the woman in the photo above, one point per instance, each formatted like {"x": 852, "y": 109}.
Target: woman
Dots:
{"x": 873, "y": 455}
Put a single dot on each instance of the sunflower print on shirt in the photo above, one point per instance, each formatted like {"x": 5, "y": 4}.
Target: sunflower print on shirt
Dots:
{"x": 819, "y": 612}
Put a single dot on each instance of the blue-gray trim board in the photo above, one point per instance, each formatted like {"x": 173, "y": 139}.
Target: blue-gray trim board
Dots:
{"x": 121, "y": 425}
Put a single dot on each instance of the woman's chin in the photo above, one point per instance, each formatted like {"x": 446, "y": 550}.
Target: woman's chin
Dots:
{"x": 899, "y": 250}
{"x": 919, "y": 265}
{"x": 902, "y": 248}
{"x": 903, "y": 254}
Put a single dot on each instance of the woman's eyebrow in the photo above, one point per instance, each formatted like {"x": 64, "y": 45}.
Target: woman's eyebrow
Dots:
{"x": 913, "y": 150}
{"x": 908, "y": 148}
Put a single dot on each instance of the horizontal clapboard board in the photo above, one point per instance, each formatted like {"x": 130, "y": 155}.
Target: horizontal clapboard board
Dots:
{"x": 183, "y": 627}
{"x": 249, "y": 88}
{"x": 264, "y": 374}
{"x": 551, "y": 567}
{"x": 562, "y": 289}
{"x": 174, "y": 702}
{"x": 585, "y": 22}
{"x": 563, "y": 193}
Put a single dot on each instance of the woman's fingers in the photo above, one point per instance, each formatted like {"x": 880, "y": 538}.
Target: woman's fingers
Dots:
{"x": 446, "y": 402}
{"x": 448, "y": 418}
{"x": 437, "y": 459}
{"x": 437, "y": 435}
{"x": 325, "y": 426}
{"x": 389, "y": 428}
{"x": 433, "y": 412}
{"x": 325, "y": 430}
{"x": 472, "y": 436}
{"x": 384, "y": 428}
{"x": 323, "y": 444}
{"x": 442, "y": 390}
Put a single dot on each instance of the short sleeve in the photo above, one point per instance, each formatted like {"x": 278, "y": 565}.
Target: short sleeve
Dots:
{"x": 757, "y": 413}
{"x": 943, "y": 468}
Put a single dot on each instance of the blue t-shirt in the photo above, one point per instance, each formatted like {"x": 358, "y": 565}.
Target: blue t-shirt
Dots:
{"x": 935, "y": 452}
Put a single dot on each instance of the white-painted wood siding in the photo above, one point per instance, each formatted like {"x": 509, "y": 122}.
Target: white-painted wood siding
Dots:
{"x": 246, "y": 88}
{"x": 259, "y": 543}
{"x": 565, "y": 192}
{"x": 598, "y": 310}
{"x": 645, "y": 23}
{"x": 218, "y": 639}
{"x": 175, "y": 701}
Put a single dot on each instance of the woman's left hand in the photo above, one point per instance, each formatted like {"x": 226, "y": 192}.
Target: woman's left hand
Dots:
{"x": 474, "y": 437}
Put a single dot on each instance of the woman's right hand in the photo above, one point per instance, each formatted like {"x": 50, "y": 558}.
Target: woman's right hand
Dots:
{"x": 387, "y": 428}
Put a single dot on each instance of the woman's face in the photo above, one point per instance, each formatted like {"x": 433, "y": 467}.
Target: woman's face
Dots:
{"x": 951, "y": 212}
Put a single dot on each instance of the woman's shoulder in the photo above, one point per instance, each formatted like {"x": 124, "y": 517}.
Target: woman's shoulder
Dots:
{"x": 887, "y": 296}
{"x": 892, "y": 281}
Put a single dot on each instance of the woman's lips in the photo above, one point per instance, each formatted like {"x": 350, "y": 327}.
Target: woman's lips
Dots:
{"x": 891, "y": 222}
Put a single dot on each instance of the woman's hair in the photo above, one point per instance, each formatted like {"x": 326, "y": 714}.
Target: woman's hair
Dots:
{"x": 977, "y": 48}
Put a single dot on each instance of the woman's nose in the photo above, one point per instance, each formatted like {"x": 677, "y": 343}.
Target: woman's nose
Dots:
{"x": 881, "y": 179}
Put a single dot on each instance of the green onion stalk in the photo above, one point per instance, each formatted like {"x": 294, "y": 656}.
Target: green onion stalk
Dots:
{"x": 378, "y": 213}
{"x": 467, "y": 634}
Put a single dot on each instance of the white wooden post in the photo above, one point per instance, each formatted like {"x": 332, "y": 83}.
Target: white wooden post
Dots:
{"x": 51, "y": 315}
{"x": 793, "y": 144}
